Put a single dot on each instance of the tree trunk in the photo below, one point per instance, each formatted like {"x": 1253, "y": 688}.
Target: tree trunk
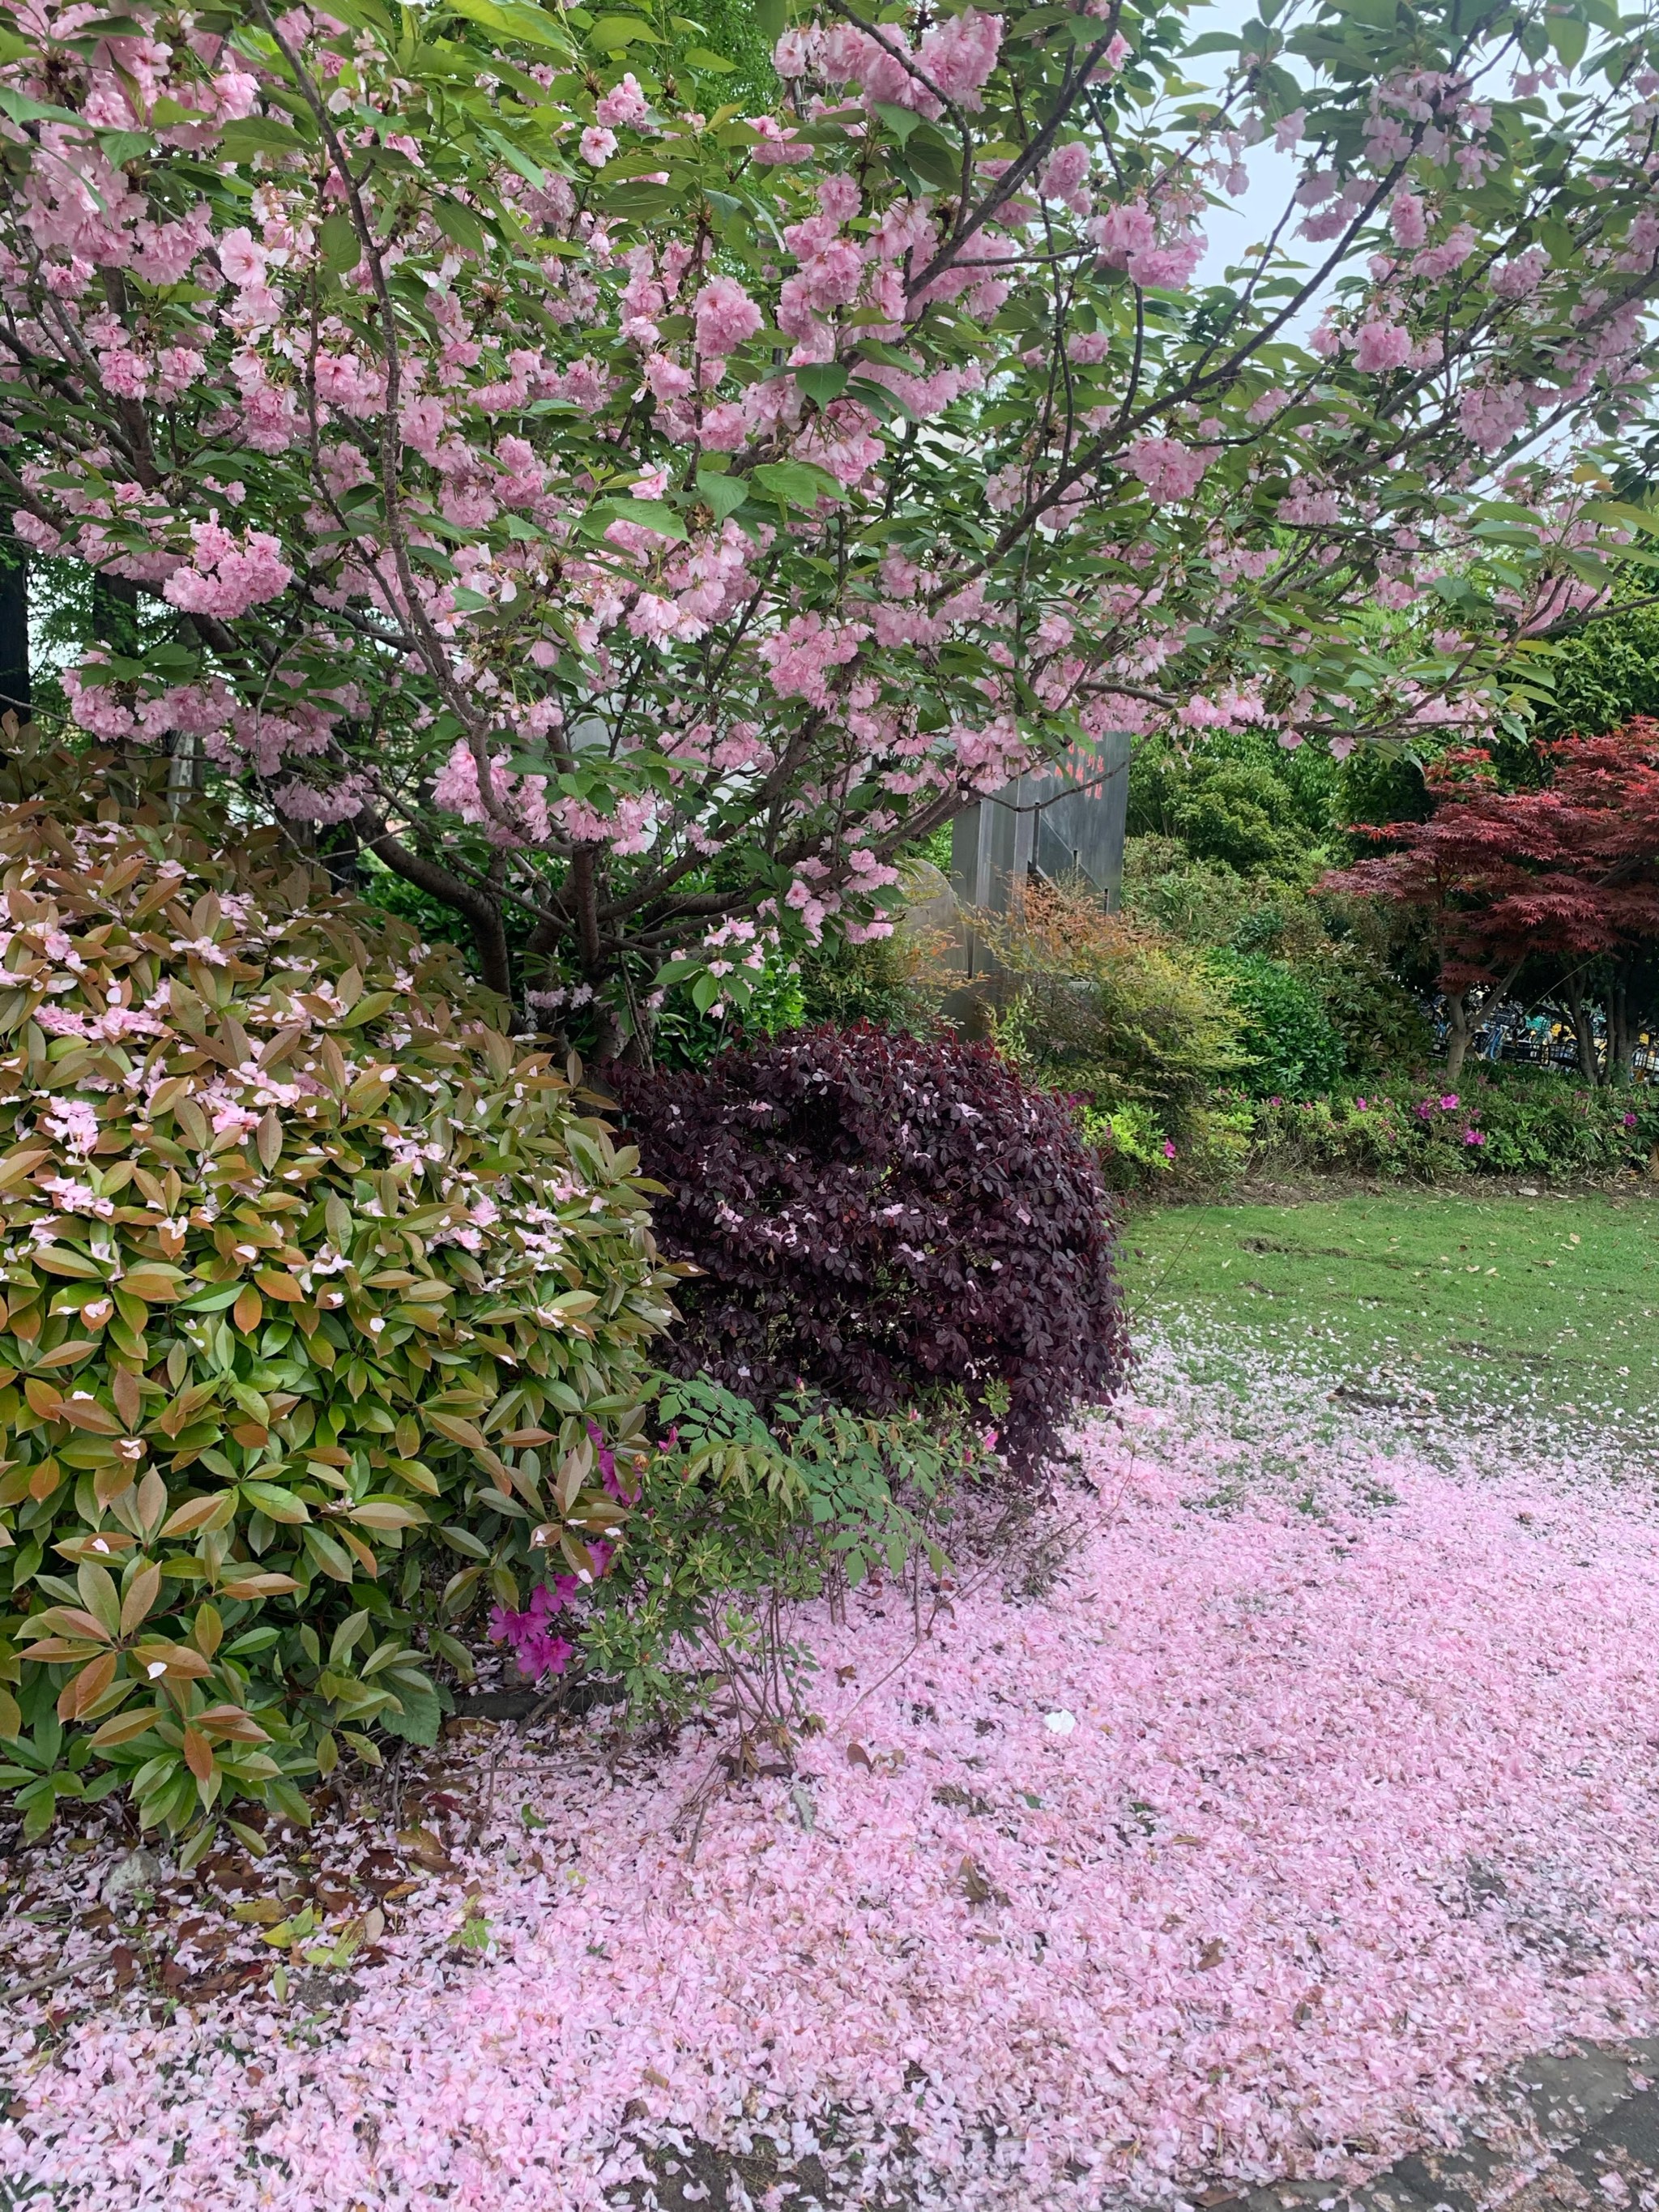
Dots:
{"x": 1458, "y": 1035}
{"x": 339, "y": 855}
{"x": 14, "y": 629}
{"x": 481, "y": 908}
{"x": 1621, "y": 1030}
{"x": 1583, "y": 1032}
{"x": 115, "y": 613}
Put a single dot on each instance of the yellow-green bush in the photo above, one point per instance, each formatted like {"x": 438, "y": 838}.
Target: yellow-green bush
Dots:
{"x": 1137, "y": 1027}
{"x": 326, "y": 1306}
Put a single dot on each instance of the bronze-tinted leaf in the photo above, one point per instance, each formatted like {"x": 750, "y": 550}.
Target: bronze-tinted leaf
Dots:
{"x": 260, "y": 1585}
{"x": 125, "y": 1726}
{"x": 141, "y": 1594}
{"x": 86, "y": 1413}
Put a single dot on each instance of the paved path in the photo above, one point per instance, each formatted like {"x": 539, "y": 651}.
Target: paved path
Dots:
{"x": 1564, "y": 2135}
{"x": 1578, "y": 2133}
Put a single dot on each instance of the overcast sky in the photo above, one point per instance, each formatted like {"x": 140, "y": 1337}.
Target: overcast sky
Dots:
{"x": 1237, "y": 224}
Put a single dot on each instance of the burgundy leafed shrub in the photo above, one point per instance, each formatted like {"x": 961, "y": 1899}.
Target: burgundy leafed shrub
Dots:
{"x": 884, "y": 1217}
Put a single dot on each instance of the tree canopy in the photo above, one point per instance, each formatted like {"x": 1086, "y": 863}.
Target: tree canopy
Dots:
{"x": 634, "y": 518}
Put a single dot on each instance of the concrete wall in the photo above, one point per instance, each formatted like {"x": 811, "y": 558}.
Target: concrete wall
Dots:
{"x": 1066, "y": 822}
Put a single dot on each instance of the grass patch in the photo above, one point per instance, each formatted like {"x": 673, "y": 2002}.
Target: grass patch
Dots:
{"x": 1506, "y": 1299}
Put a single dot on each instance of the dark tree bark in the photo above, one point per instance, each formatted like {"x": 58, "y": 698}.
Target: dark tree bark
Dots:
{"x": 1583, "y": 1031}
{"x": 480, "y": 907}
{"x": 1458, "y": 1033}
{"x": 1621, "y": 1030}
{"x": 15, "y": 693}
{"x": 115, "y": 613}
{"x": 339, "y": 852}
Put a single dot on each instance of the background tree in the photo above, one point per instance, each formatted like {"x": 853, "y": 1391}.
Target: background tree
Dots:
{"x": 1605, "y": 674}
{"x": 1563, "y": 881}
{"x": 633, "y": 519}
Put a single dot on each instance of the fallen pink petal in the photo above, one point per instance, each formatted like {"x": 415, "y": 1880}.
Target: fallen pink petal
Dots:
{"x": 1358, "y": 1808}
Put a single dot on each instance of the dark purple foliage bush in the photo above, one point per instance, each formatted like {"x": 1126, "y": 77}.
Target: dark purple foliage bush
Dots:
{"x": 883, "y": 1217}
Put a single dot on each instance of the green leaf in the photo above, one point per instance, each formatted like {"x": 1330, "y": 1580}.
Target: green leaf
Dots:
{"x": 1620, "y": 511}
{"x": 422, "y": 1711}
{"x": 1568, "y": 35}
{"x": 460, "y": 225}
{"x": 370, "y": 1008}
{"x": 515, "y": 158}
{"x": 725, "y": 494}
{"x": 649, "y": 513}
{"x": 120, "y": 147}
{"x": 901, "y": 121}
{"x": 276, "y": 1503}
{"x": 823, "y": 380}
{"x": 257, "y": 1639}
{"x": 700, "y": 58}
{"x": 640, "y": 202}
{"x": 21, "y": 109}
{"x": 258, "y": 134}
{"x": 613, "y": 32}
{"x": 797, "y": 484}
{"x": 513, "y": 18}
{"x": 342, "y": 249}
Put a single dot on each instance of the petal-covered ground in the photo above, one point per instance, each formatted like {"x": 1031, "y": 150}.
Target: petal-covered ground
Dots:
{"x": 1358, "y": 1800}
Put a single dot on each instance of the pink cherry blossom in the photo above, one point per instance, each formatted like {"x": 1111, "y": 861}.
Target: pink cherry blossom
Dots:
{"x": 1066, "y": 171}
{"x": 1355, "y": 1714}
{"x": 1407, "y": 220}
{"x": 726, "y": 317}
{"x": 622, "y": 105}
{"x": 1491, "y": 415}
{"x": 1453, "y": 250}
{"x": 226, "y": 576}
{"x": 1382, "y": 346}
{"x": 1169, "y": 470}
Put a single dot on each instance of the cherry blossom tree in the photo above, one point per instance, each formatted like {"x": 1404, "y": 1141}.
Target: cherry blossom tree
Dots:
{"x": 634, "y": 519}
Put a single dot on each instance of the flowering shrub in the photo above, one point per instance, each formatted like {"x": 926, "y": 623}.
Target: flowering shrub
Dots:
{"x": 1509, "y": 1122}
{"x": 887, "y": 1220}
{"x": 1136, "y": 1152}
{"x": 738, "y": 1514}
{"x": 322, "y": 1301}
{"x": 1115, "y": 1011}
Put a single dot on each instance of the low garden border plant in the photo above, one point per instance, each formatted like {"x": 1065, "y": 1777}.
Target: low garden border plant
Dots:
{"x": 1501, "y": 1121}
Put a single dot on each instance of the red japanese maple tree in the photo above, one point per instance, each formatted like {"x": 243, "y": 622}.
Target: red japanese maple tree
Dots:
{"x": 1568, "y": 872}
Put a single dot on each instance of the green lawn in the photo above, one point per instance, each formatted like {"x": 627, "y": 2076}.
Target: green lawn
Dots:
{"x": 1551, "y": 1300}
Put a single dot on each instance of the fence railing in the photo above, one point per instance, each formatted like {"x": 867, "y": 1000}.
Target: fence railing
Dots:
{"x": 1522, "y": 1039}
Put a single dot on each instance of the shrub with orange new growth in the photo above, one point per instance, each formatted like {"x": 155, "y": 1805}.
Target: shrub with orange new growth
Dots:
{"x": 321, "y": 1297}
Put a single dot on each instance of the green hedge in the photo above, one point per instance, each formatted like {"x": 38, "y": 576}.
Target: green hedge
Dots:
{"x": 1294, "y": 1051}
